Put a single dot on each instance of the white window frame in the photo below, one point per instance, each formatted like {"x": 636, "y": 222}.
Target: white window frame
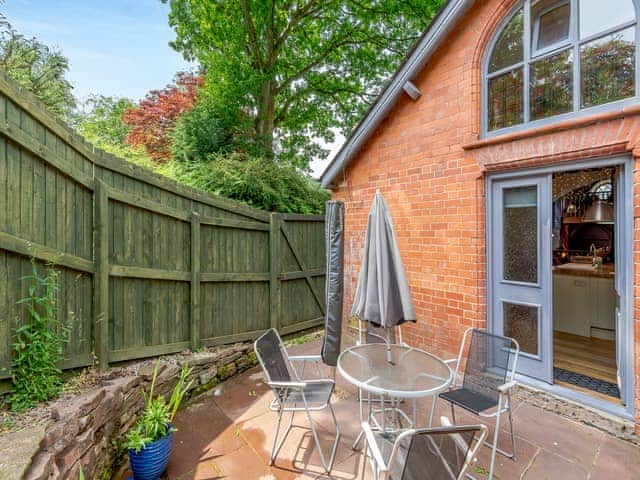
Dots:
{"x": 536, "y": 30}
{"x": 530, "y": 57}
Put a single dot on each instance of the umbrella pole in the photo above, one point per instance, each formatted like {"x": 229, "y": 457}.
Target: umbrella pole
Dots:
{"x": 388, "y": 345}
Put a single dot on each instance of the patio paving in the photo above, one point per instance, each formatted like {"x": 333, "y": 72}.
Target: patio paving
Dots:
{"x": 227, "y": 434}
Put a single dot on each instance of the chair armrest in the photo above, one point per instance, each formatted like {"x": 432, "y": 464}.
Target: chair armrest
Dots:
{"x": 507, "y": 386}
{"x": 305, "y": 358}
{"x": 310, "y": 381}
{"x": 373, "y": 446}
{"x": 294, "y": 385}
{"x": 451, "y": 362}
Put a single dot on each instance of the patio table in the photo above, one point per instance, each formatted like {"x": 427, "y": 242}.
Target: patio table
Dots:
{"x": 411, "y": 373}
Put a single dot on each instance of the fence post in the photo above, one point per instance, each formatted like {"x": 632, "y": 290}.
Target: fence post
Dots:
{"x": 194, "y": 327}
{"x": 274, "y": 269}
{"x": 101, "y": 274}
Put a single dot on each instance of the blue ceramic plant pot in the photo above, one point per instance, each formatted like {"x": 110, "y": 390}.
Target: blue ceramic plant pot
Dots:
{"x": 151, "y": 461}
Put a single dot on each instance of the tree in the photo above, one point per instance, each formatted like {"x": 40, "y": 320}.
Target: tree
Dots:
{"x": 100, "y": 121}
{"x": 38, "y": 68}
{"x": 302, "y": 68}
{"x": 152, "y": 121}
{"x": 209, "y": 128}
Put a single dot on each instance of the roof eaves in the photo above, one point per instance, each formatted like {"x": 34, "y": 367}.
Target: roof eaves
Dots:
{"x": 437, "y": 30}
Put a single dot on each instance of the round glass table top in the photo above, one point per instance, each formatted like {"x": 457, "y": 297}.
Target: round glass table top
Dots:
{"x": 410, "y": 373}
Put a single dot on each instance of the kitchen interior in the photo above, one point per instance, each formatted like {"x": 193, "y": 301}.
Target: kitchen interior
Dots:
{"x": 584, "y": 296}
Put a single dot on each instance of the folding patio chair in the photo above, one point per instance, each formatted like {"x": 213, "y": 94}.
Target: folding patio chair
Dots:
{"x": 487, "y": 382}
{"x": 441, "y": 453}
{"x": 292, "y": 393}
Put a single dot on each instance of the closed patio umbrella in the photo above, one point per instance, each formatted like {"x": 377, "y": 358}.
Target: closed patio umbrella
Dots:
{"x": 382, "y": 295}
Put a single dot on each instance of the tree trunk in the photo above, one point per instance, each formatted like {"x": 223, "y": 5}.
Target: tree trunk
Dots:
{"x": 266, "y": 118}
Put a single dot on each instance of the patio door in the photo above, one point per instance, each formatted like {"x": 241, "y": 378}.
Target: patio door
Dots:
{"x": 622, "y": 206}
{"x": 519, "y": 257}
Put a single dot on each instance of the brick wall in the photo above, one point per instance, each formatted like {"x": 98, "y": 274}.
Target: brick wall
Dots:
{"x": 428, "y": 162}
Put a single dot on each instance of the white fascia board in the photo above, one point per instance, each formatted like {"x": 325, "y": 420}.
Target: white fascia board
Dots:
{"x": 435, "y": 33}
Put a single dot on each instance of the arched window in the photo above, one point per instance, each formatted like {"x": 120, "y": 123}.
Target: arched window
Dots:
{"x": 556, "y": 58}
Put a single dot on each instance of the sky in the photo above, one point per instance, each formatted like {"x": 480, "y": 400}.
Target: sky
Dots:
{"x": 115, "y": 47}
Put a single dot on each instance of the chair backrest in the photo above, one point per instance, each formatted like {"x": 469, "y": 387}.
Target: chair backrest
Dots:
{"x": 491, "y": 362}
{"x": 442, "y": 453}
{"x": 273, "y": 357}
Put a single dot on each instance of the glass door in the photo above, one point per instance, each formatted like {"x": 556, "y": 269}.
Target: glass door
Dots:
{"x": 520, "y": 269}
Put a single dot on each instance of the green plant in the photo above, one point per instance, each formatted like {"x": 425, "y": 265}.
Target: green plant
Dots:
{"x": 39, "y": 343}
{"x": 257, "y": 182}
{"x": 155, "y": 421}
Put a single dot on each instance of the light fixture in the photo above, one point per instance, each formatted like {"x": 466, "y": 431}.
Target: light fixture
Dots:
{"x": 411, "y": 90}
{"x": 599, "y": 212}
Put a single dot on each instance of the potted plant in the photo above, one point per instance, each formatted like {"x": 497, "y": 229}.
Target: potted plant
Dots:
{"x": 150, "y": 440}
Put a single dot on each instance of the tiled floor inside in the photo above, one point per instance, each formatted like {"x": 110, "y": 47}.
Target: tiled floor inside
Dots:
{"x": 227, "y": 434}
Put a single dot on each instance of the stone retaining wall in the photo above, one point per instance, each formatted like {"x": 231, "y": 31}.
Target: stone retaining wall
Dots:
{"x": 87, "y": 432}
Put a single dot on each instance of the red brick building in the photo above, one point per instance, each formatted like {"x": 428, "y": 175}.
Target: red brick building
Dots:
{"x": 508, "y": 125}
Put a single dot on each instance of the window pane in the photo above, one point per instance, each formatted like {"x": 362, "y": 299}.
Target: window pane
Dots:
{"x": 521, "y": 322}
{"x": 520, "y": 234}
{"x": 553, "y": 26}
{"x": 506, "y": 100}
{"x": 551, "y": 85}
{"x": 599, "y": 15}
{"x": 508, "y": 49}
{"x": 608, "y": 68}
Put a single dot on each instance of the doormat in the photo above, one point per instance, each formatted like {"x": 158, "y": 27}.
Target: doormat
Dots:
{"x": 584, "y": 381}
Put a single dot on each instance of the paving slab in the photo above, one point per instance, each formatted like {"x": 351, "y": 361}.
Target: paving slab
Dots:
{"x": 549, "y": 466}
{"x": 203, "y": 435}
{"x": 616, "y": 460}
{"x": 17, "y": 450}
{"x": 567, "y": 438}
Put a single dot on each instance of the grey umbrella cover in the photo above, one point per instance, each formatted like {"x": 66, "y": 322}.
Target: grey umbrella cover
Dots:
{"x": 334, "y": 237}
{"x": 382, "y": 295}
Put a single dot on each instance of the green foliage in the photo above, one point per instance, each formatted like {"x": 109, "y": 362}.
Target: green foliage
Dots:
{"x": 205, "y": 129}
{"x": 300, "y": 70}
{"x": 99, "y": 120}
{"x": 256, "y": 182}
{"x": 155, "y": 421}
{"x": 38, "y": 68}
{"x": 216, "y": 124}
{"x": 39, "y": 343}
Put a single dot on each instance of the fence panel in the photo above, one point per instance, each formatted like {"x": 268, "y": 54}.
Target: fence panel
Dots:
{"x": 147, "y": 266}
{"x": 45, "y": 211}
{"x": 302, "y": 270}
{"x": 234, "y": 287}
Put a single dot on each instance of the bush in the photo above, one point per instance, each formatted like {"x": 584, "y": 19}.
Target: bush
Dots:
{"x": 254, "y": 181}
{"x": 199, "y": 132}
{"x": 39, "y": 343}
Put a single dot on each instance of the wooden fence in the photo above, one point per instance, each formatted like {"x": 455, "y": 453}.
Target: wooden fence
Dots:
{"x": 148, "y": 266}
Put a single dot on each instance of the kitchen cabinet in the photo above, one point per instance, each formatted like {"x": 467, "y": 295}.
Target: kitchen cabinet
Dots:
{"x": 582, "y": 302}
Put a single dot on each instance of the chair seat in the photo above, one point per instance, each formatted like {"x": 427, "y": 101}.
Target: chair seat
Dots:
{"x": 469, "y": 400}
{"x": 317, "y": 394}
